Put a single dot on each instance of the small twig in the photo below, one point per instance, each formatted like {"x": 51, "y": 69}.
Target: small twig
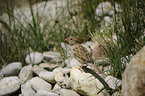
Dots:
{"x": 101, "y": 90}
{"x": 91, "y": 33}
{"x": 106, "y": 86}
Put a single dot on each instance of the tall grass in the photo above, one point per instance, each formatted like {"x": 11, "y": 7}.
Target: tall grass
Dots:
{"x": 18, "y": 37}
{"x": 129, "y": 29}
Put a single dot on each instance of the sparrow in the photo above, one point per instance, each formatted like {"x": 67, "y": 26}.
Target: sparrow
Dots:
{"x": 81, "y": 53}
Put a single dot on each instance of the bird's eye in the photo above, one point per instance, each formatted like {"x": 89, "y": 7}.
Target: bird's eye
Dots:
{"x": 70, "y": 38}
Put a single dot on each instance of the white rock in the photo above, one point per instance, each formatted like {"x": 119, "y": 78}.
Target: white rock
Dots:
{"x": 56, "y": 86}
{"x": 59, "y": 78}
{"x": 9, "y": 85}
{"x": 113, "y": 82}
{"x": 71, "y": 62}
{"x": 103, "y": 8}
{"x": 111, "y": 12}
{"x": 37, "y": 70}
{"x": 49, "y": 55}
{"x": 66, "y": 92}
{"x": 107, "y": 21}
{"x": 34, "y": 58}
{"x": 85, "y": 83}
{"x": 56, "y": 89}
{"x": 12, "y": 69}
{"x": 67, "y": 49}
{"x": 48, "y": 65}
{"x": 56, "y": 61}
{"x": 65, "y": 70}
{"x": 48, "y": 76}
{"x": 45, "y": 93}
{"x": 26, "y": 74}
{"x": 118, "y": 8}
{"x": 62, "y": 79}
{"x": 39, "y": 84}
{"x": 133, "y": 80}
{"x": 27, "y": 90}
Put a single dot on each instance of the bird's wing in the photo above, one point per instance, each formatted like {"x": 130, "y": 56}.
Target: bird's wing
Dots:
{"x": 81, "y": 53}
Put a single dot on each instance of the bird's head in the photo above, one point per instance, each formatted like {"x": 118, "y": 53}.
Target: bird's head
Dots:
{"x": 72, "y": 40}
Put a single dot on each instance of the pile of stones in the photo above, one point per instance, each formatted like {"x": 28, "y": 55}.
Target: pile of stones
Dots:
{"x": 45, "y": 76}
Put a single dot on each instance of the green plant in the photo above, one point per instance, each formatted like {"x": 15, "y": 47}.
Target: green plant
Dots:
{"x": 18, "y": 36}
{"x": 129, "y": 36}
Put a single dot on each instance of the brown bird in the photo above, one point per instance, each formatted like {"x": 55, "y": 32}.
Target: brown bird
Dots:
{"x": 81, "y": 53}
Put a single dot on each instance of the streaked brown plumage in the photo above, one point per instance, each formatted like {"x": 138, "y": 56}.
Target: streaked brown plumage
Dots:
{"x": 80, "y": 52}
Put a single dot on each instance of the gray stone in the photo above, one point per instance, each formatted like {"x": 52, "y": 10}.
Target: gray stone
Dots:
{"x": 66, "y": 92}
{"x": 26, "y": 74}
{"x": 54, "y": 57}
{"x": 111, "y": 12}
{"x": 39, "y": 84}
{"x": 56, "y": 61}
{"x": 45, "y": 93}
{"x": 67, "y": 49}
{"x": 103, "y": 8}
{"x": 107, "y": 21}
{"x": 118, "y": 8}
{"x": 48, "y": 65}
{"x": 48, "y": 76}
{"x": 9, "y": 85}
{"x": 37, "y": 70}
{"x": 34, "y": 58}
{"x": 27, "y": 90}
{"x": 71, "y": 62}
{"x": 133, "y": 80}
{"x": 12, "y": 69}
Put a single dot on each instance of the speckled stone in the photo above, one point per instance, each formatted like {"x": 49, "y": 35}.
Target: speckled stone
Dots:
{"x": 133, "y": 82}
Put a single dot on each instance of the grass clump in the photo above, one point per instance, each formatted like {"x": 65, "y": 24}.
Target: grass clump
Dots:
{"x": 129, "y": 31}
